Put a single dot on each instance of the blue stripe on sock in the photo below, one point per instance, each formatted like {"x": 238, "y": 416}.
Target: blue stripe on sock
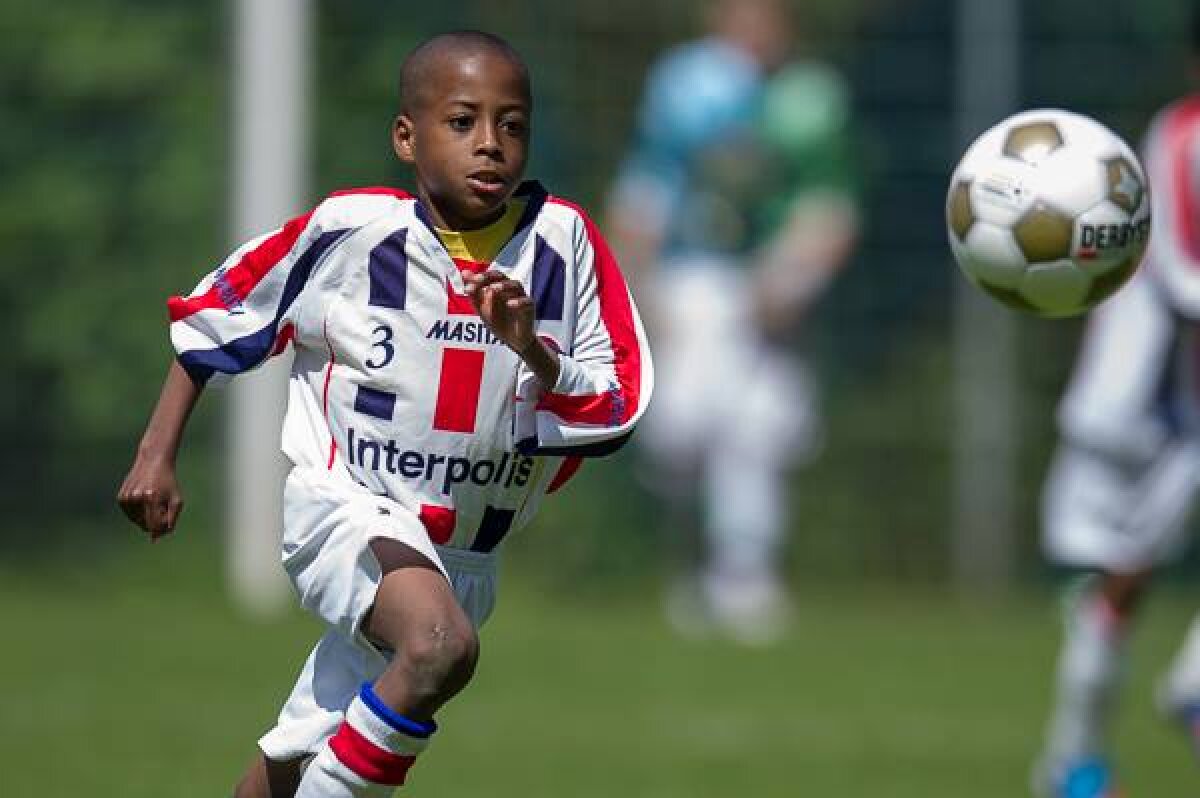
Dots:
{"x": 391, "y": 717}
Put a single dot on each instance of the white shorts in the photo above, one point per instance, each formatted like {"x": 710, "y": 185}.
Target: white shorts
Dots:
{"x": 719, "y": 388}
{"x": 1122, "y": 518}
{"x": 327, "y": 555}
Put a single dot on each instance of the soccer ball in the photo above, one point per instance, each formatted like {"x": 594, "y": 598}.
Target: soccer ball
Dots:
{"x": 1048, "y": 212}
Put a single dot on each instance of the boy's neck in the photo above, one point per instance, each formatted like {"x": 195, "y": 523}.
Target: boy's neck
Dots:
{"x": 482, "y": 244}
{"x": 455, "y": 224}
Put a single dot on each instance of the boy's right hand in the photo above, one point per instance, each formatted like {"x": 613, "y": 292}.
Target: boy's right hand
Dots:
{"x": 150, "y": 496}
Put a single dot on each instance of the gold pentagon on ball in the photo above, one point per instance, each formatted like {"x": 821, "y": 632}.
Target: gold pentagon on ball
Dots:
{"x": 1033, "y": 141}
{"x": 958, "y": 209}
{"x": 1043, "y": 234}
{"x": 1124, "y": 188}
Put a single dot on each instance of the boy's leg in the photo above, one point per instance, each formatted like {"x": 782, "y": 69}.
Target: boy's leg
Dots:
{"x": 266, "y": 778}
{"x": 417, "y": 616}
{"x": 1090, "y": 669}
{"x": 1179, "y": 691}
{"x": 1106, "y": 515}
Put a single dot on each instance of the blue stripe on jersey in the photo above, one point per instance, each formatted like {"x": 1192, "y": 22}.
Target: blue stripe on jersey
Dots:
{"x": 549, "y": 282}
{"x": 535, "y": 197}
{"x": 388, "y": 271}
{"x": 248, "y": 351}
{"x": 374, "y": 403}
{"x": 603, "y": 448}
{"x": 492, "y": 529}
{"x": 413, "y": 728}
{"x": 423, "y": 216}
{"x": 233, "y": 358}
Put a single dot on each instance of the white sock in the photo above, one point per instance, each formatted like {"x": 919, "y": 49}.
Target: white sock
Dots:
{"x": 744, "y": 509}
{"x": 1090, "y": 667}
{"x": 369, "y": 755}
{"x": 1180, "y": 692}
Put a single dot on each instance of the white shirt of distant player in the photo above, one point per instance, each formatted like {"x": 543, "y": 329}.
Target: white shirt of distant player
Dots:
{"x": 1126, "y": 373}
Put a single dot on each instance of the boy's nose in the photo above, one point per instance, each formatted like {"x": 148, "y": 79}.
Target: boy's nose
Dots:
{"x": 489, "y": 138}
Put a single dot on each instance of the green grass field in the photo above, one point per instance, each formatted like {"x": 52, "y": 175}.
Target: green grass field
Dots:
{"x": 132, "y": 677}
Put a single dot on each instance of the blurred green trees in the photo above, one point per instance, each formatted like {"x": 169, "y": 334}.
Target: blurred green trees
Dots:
{"x": 111, "y": 140}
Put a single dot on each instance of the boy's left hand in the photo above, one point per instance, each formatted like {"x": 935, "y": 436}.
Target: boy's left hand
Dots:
{"x": 504, "y": 306}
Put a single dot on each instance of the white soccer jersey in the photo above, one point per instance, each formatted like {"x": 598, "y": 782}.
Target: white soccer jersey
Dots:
{"x": 1135, "y": 384}
{"x": 398, "y": 386}
{"x": 1171, "y": 153}
{"x": 1124, "y": 398}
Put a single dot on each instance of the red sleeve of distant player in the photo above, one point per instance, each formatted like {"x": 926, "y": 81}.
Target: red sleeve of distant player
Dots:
{"x": 1180, "y": 138}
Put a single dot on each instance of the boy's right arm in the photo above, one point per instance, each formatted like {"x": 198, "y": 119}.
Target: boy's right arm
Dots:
{"x": 150, "y": 494}
{"x": 239, "y": 315}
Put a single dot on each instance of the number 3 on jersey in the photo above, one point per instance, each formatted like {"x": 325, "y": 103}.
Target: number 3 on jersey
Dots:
{"x": 461, "y": 377}
{"x": 387, "y": 350}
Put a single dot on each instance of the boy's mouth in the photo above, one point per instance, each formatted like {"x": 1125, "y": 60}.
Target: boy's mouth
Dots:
{"x": 487, "y": 182}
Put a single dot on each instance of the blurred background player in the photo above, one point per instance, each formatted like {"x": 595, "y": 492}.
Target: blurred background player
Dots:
{"x": 1123, "y": 482}
{"x": 731, "y": 214}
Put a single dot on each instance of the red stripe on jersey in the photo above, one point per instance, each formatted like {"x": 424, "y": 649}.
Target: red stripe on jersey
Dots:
{"x": 458, "y": 304}
{"x": 458, "y": 390}
{"x": 239, "y": 280}
{"x": 1181, "y": 129}
{"x": 439, "y": 522}
{"x": 468, "y": 266}
{"x": 368, "y": 760}
{"x": 325, "y": 400}
{"x": 570, "y": 466}
{"x": 617, "y": 316}
{"x": 598, "y": 409}
{"x": 385, "y": 190}
{"x": 285, "y": 337}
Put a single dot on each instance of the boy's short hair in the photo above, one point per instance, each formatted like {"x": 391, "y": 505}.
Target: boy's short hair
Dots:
{"x": 418, "y": 66}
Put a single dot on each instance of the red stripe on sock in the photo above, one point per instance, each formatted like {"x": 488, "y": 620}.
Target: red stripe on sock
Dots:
{"x": 367, "y": 759}
{"x": 1110, "y": 617}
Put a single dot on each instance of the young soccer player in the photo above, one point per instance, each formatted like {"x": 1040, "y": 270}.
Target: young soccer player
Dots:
{"x": 456, "y": 352}
{"x": 1126, "y": 475}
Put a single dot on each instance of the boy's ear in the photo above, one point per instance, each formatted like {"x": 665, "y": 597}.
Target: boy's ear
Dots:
{"x": 402, "y": 138}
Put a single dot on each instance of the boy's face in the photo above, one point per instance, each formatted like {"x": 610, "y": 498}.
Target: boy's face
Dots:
{"x": 467, "y": 137}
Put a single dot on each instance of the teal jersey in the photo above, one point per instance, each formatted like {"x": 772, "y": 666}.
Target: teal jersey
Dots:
{"x": 730, "y": 148}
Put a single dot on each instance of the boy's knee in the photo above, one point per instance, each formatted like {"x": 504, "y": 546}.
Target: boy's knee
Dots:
{"x": 439, "y": 656}
{"x": 1124, "y": 592}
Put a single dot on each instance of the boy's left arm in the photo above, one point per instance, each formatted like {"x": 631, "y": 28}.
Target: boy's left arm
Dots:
{"x": 509, "y": 312}
{"x": 589, "y": 397}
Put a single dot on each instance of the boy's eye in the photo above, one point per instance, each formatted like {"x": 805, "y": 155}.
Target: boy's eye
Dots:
{"x": 514, "y": 127}
{"x": 460, "y": 123}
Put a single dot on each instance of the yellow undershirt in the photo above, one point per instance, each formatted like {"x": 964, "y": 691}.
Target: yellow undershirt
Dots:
{"x": 483, "y": 245}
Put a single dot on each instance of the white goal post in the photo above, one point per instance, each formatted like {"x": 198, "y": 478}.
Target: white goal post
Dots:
{"x": 272, "y": 77}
